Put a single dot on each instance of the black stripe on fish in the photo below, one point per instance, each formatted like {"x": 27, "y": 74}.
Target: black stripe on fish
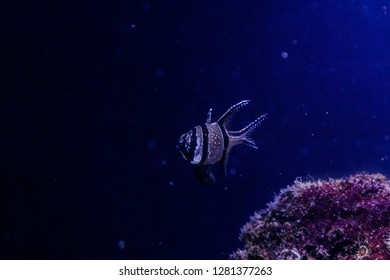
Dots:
{"x": 205, "y": 134}
{"x": 225, "y": 149}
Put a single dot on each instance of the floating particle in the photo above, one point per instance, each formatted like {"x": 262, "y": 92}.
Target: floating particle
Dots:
{"x": 171, "y": 183}
{"x": 235, "y": 74}
{"x": 121, "y": 244}
{"x": 159, "y": 73}
{"x": 5, "y": 237}
{"x": 294, "y": 42}
{"x": 284, "y": 55}
{"x": 233, "y": 171}
{"x": 385, "y": 9}
{"x": 133, "y": 26}
{"x": 304, "y": 150}
{"x": 152, "y": 144}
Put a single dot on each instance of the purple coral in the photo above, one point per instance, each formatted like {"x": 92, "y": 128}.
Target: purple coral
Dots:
{"x": 346, "y": 218}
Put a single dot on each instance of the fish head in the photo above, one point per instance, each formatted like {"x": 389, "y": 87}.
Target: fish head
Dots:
{"x": 184, "y": 146}
{"x": 190, "y": 145}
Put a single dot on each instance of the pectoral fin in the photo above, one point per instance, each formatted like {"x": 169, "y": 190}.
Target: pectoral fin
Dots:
{"x": 224, "y": 161}
{"x": 204, "y": 175}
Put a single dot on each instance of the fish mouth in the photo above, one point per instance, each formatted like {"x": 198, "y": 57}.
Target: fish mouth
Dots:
{"x": 181, "y": 149}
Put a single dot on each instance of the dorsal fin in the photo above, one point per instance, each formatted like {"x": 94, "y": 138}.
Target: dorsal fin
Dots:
{"x": 209, "y": 115}
{"x": 226, "y": 118}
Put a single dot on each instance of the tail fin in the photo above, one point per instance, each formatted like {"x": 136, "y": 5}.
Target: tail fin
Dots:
{"x": 243, "y": 135}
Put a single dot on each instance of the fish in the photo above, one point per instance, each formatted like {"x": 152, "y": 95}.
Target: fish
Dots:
{"x": 211, "y": 143}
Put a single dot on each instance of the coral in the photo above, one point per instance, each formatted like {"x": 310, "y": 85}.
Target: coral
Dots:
{"x": 346, "y": 218}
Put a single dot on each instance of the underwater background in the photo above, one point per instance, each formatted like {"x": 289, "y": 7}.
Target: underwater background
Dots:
{"x": 94, "y": 95}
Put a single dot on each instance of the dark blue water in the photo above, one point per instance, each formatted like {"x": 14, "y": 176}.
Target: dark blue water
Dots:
{"x": 94, "y": 96}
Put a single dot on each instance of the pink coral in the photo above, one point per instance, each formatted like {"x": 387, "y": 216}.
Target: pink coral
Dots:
{"x": 346, "y": 218}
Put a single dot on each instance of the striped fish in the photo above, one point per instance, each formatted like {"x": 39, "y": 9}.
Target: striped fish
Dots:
{"x": 211, "y": 143}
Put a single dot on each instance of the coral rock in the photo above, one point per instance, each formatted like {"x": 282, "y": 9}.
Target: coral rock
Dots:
{"x": 344, "y": 219}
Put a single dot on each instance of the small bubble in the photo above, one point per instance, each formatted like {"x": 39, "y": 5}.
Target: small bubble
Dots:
{"x": 133, "y": 26}
{"x": 171, "y": 183}
{"x": 284, "y": 55}
{"x": 294, "y": 42}
{"x": 164, "y": 162}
